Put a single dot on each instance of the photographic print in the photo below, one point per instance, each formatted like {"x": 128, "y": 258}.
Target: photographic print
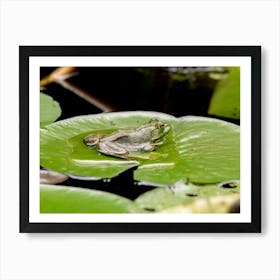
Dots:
{"x": 140, "y": 139}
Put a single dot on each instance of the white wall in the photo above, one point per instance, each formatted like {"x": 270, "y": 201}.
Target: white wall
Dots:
{"x": 138, "y": 256}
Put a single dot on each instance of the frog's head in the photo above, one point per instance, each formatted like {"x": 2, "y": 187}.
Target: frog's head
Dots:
{"x": 161, "y": 129}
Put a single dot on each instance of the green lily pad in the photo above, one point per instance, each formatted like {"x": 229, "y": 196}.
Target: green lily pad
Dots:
{"x": 62, "y": 148}
{"x": 197, "y": 149}
{"x": 49, "y": 110}
{"x": 164, "y": 198}
{"x": 226, "y": 97}
{"x": 203, "y": 151}
{"x": 64, "y": 199}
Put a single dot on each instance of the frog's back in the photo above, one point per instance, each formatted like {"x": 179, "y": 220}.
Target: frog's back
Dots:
{"x": 135, "y": 138}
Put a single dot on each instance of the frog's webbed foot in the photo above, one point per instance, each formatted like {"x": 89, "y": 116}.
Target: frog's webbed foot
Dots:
{"x": 158, "y": 143}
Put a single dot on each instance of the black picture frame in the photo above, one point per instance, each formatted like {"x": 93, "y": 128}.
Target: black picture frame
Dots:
{"x": 254, "y": 52}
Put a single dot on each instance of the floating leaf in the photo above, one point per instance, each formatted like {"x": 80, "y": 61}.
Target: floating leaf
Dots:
{"x": 49, "y": 110}
{"x": 64, "y": 199}
{"x": 162, "y": 198}
{"x": 226, "y": 97}
{"x": 63, "y": 149}
{"x": 200, "y": 150}
{"x": 50, "y": 177}
{"x": 204, "y": 150}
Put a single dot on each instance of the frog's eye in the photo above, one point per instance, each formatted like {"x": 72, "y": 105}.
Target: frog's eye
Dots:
{"x": 161, "y": 126}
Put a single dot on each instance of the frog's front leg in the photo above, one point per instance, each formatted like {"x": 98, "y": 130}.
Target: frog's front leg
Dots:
{"x": 112, "y": 149}
{"x": 148, "y": 147}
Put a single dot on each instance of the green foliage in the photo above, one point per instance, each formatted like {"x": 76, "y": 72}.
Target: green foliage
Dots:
{"x": 64, "y": 199}
{"x": 182, "y": 198}
{"x": 63, "y": 150}
{"x": 49, "y": 110}
{"x": 226, "y": 97}
{"x": 198, "y": 150}
{"x": 203, "y": 150}
{"x": 182, "y": 195}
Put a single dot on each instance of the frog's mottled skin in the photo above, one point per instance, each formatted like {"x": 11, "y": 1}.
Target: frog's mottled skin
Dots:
{"x": 123, "y": 143}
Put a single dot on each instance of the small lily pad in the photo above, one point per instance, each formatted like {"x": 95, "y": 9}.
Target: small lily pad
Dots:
{"x": 226, "y": 97}
{"x": 164, "y": 198}
{"x": 64, "y": 199}
{"x": 50, "y": 177}
{"x": 49, "y": 110}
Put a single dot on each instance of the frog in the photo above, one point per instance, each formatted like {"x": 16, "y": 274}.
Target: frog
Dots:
{"x": 129, "y": 143}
